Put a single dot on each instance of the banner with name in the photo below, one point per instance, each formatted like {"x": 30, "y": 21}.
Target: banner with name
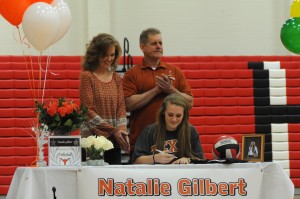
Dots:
{"x": 64, "y": 151}
{"x": 178, "y": 181}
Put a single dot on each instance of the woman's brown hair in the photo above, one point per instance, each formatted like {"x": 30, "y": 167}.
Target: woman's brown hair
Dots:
{"x": 98, "y": 48}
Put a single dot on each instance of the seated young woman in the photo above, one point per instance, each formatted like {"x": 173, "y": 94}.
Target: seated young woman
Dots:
{"x": 172, "y": 139}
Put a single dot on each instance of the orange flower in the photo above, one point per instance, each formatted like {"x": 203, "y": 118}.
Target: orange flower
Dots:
{"x": 53, "y": 104}
{"x": 61, "y": 115}
{"x": 69, "y": 108}
{"x": 62, "y": 111}
{"x": 51, "y": 110}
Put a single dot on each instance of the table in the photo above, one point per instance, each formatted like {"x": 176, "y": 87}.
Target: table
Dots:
{"x": 239, "y": 180}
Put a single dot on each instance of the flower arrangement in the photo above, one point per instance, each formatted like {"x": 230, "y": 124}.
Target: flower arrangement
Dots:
{"x": 61, "y": 116}
{"x": 95, "y": 146}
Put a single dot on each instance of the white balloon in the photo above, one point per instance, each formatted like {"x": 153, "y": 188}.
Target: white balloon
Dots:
{"x": 64, "y": 14}
{"x": 40, "y": 25}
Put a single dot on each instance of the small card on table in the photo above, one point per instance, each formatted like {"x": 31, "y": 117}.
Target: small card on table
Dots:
{"x": 64, "y": 151}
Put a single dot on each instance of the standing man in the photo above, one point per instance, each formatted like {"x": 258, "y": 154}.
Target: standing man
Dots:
{"x": 146, "y": 85}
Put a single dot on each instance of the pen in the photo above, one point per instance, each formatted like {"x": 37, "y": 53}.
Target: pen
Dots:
{"x": 162, "y": 152}
{"x": 159, "y": 151}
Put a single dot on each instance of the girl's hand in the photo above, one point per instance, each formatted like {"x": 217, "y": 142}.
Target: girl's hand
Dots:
{"x": 164, "y": 158}
{"x": 182, "y": 160}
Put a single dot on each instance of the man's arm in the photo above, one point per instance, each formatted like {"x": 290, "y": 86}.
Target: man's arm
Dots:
{"x": 188, "y": 98}
{"x": 138, "y": 101}
{"x": 165, "y": 85}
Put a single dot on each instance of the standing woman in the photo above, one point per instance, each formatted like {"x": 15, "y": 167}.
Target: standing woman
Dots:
{"x": 101, "y": 91}
{"x": 172, "y": 139}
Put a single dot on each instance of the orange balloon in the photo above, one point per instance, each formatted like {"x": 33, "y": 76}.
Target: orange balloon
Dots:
{"x": 13, "y": 10}
{"x": 45, "y": 1}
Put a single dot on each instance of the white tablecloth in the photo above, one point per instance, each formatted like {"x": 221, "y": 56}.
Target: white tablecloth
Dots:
{"x": 247, "y": 180}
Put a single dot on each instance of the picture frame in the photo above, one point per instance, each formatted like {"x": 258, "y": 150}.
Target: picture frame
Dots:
{"x": 253, "y": 147}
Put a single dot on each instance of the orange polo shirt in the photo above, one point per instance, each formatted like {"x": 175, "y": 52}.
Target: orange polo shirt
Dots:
{"x": 140, "y": 79}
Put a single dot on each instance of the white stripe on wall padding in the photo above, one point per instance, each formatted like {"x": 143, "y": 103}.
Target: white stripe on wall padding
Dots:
{"x": 271, "y": 65}
{"x": 277, "y": 73}
{"x": 280, "y": 146}
{"x": 277, "y": 82}
{"x": 280, "y": 137}
{"x": 278, "y": 100}
{"x": 279, "y": 128}
{"x": 280, "y": 155}
{"x": 277, "y": 91}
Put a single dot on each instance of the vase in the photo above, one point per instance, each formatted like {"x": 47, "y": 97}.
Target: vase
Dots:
{"x": 42, "y": 163}
{"x": 95, "y": 158}
{"x": 99, "y": 162}
{"x": 41, "y": 141}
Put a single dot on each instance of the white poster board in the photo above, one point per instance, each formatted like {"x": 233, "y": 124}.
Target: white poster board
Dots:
{"x": 64, "y": 151}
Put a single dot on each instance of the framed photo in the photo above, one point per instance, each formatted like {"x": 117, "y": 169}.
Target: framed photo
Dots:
{"x": 253, "y": 147}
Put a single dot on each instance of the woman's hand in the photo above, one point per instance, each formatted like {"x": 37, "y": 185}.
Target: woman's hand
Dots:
{"x": 182, "y": 160}
{"x": 122, "y": 138}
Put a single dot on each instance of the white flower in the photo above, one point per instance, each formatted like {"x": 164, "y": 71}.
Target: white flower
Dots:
{"x": 86, "y": 142}
{"x": 108, "y": 145}
{"x": 91, "y": 140}
{"x": 99, "y": 143}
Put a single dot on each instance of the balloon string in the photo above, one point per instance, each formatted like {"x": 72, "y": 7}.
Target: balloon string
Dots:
{"x": 20, "y": 38}
{"x": 25, "y": 42}
{"x": 40, "y": 75}
{"x": 36, "y": 93}
{"x": 33, "y": 88}
{"x": 35, "y": 137}
{"x": 37, "y": 134}
{"x": 31, "y": 80}
{"x": 49, "y": 58}
{"x": 45, "y": 77}
{"x": 31, "y": 83}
